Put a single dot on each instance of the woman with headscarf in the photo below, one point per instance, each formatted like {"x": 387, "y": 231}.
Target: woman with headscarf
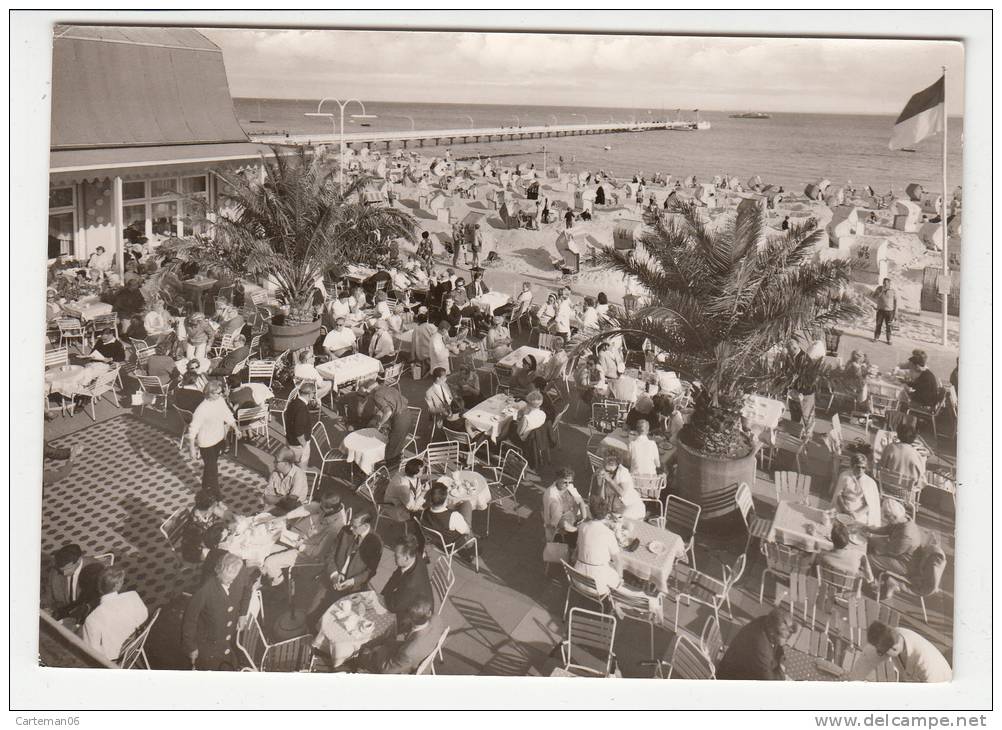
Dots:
{"x": 890, "y": 548}
{"x": 525, "y": 373}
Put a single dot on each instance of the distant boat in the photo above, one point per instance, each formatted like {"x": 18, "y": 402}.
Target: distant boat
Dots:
{"x": 907, "y": 149}
{"x": 607, "y": 147}
{"x": 365, "y": 124}
{"x": 751, "y": 115}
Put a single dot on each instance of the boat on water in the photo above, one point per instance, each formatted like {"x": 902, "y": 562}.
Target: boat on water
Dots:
{"x": 751, "y": 115}
{"x": 607, "y": 147}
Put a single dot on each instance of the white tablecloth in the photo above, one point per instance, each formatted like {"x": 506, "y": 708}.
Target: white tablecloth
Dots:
{"x": 478, "y": 494}
{"x": 514, "y": 358}
{"x": 86, "y": 311}
{"x": 359, "y": 273}
{"x": 346, "y": 369}
{"x": 494, "y": 299}
{"x": 761, "y": 413}
{"x": 490, "y": 415}
{"x": 644, "y": 564}
{"x": 366, "y": 448}
{"x": 344, "y": 644}
{"x": 69, "y": 380}
{"x": 792, "y": 523}
{"x": 254, "y": 542}
{"x": 403, "y": 341}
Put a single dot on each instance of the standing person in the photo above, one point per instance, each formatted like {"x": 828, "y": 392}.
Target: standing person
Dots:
{"x": 210, "y": 423}
{"x": 562, "y": 319}
{"x": 645, "y": 459}
{"x": 458, "y": 244}
{"x": 477, "y": 245}
{"x": 211, "y": 619}
{"x": 887, "y": 309}
{"x": 115, "y": 618}
{"x": 786, "y": 223}
{"x": 916, "y": 657}
{"x": 299, "y": 423}
{"x": 569, "y": 218}
{"x": 757, "y": 649}
{"x": 426, "y": 252}
{"x": 389, "y": 407}
{"x": 438, "y": 352}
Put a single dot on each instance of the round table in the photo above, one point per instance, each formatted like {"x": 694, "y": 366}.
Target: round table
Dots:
{"x": 366, "y": 448}
{"x": 69, "y": 380}
{"x": 344, "y": 644}
{"x": 478, "y": 494}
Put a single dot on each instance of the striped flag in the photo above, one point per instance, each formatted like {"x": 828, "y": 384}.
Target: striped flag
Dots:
{"x": 922, "y": 116}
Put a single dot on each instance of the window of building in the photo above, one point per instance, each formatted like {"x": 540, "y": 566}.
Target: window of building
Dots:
{"x": 165, "y": 207}
{"x": 62, "y": 221}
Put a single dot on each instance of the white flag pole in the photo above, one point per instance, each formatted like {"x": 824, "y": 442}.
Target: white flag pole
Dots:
{"x": 943, "y": 215}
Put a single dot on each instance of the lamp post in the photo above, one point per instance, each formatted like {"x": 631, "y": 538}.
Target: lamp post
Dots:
{"x": 554, "y": 118}
{"x": 329, "y": 115}
{"x": 583, "y": 116}
{"x": 470, "y": 118}
{"x": 518, "y": 122}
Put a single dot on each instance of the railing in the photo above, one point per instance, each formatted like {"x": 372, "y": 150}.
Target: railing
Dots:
{"x": 60, "y": 647}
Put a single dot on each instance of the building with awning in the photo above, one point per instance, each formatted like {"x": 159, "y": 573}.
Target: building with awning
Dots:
{"x": 142, "y": 119}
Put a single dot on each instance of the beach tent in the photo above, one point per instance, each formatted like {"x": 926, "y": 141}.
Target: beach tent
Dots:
{"x": 870, "y": 259}
{"x": 914, "y": 191}
{"x": 717, "y": 181}
{"x": 689, "y": 182}
{"x": 812, "y": 191}
{"x": 834, "y": 196}
{"x": 734, "y": 184}
{"x": 932, "y": 282}
{"x": 626, "y": 235}
{"x": 570, "y": 251}
{"x": 707, "y": 195}
{"x": 906, "y": 215}
{"x": 372, "y": 194}
{"x": 844, "y": 223}
{"x": 584, "y": 199}
{"x": 823, "y": 184}
{"x": 754, "y": 182}
{"x": 932, "y": 203}
{"x": 438, "y": 200}
{"x": 932, "y": 235}
{"x": 532, "y": 191}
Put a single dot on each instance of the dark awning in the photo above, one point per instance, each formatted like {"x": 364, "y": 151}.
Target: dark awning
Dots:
{"x": 125, "y": 86}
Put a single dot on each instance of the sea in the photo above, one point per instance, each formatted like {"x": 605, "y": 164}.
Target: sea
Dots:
{"x": 787, "y": 149}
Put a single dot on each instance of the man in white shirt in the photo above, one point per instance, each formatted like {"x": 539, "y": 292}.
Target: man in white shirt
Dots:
{"x": 340, "y": 340}
{"x": 101, "y": 260}
{"x": 115, "y": 619}
{"x": 340, "y": 307}
{"x": 553, "y": 368}
{"x": 563, "y": 507}
{"x": 287, "y": 480}
{"x": 439, "y": 396}
{"x": 381, "y": 345}
{"x": 914, "y": 656}
{"x": 645, "y": 459}
{"x": 562, "y": 321}
{"x": 531, "y": 418}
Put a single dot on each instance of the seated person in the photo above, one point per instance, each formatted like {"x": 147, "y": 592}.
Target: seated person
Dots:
{"x": 498, "y": 339}
{"x": 381, "y": 345}
{"x": 616, "y": 484}
{"x": 548, "y": 312}
{"x": 230, "y": 321}
{"x": 230, "y": 361}
{"x": 157, "y": 321}
{"x": 161, "y": 366}
{"x": 924, "y": 389}
{"x": 404, "y": 490}
{"x": 452, "y": 523}
{"x": 591, "y": 381}
{"x": 396, "y": 320}
{"x": 528, "y": 420}
{"x": 439, "y": 395}
{"x": 249, "y": 395}
{"x": 459, "y": 294}
{"x": 340, "y": 340}
{"x": 350, "y": 563}
{"x": 478, "y": 286}
{"x": 338, "y": 308}
{"x": 643, "y": 409}
{"x": 115, "y": 618}
{"x": 553, "y": 368}
{"x": 525, "y": 373}
{"x": 409, "y": 582}
{"x": 318, "y": 524}
{"x": 130, "y": 302}
{"x": 757, "y": 650}
{"x": 287, "y": 487}
{"x": 190, "y": 391}
{"x": 208, "y": 510}
{"x": 902, "y": 457}
{"x": 405, "y": 656}
{"x": 645, "y": 458}
{"x": 53, "y": 307}
{"x": 108, "y": 348}
{"x": 451, "y": 313}
{"x": 101, "y": 260}
{"x": 71, "y": 587}
{"x": 465, "y": 382}
{"x": 890, "y": 547}
{"x": 856, "y": 493}
{"x": 846, "y": 556}
{"x": 563, "y": 508}
{"x": 306, "y": 370}
{"x": 598, "y": 552}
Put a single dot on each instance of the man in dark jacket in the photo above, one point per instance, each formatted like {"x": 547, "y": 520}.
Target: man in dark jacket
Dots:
{"x": 213, "y": 616}
{"x": 409, "y": 582}
{"x": 757, "y": 649}
{"x": 349, "y": 565}
{"x": 403, "y": 656}
{"x": 924, "y": 390}
{"x": 226, "y": 364}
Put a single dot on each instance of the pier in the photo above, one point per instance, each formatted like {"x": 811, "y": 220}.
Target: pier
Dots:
{"x": 419, "y": 138}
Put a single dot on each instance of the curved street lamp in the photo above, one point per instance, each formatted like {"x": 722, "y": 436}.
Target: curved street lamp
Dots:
{"x": 330, "y": 115}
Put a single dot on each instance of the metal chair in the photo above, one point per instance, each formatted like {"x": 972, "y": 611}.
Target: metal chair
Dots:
{"x": 880, "y": 407}
{"x": 437, "y": 539}
{"x": 254, "y": 420}
{"x": 900, "y": 487}
{"x": 650, "y": 489}
{"x": 638, "y": 607}
{"x": 323, "y": 447}
{"x": 687, "y": 662}
{"x": 605, "y": 417}
{"x": 57, "y": 358}
{"x": 929, "y": 413}
{"x": 711, "y": 641}
{"x": 392, "y": 374}
{"x": 173, "y": 529}
{"x": 223, "y": 345}
{"x": 415, "y": 415}
{"x": 291, "y": 655}
{"x": 151, "y": 385}
{"x": 373, "y": 489}
{"x": 757, "y": 527}
{"x": 507, "y": 480}
{"x": 712, "y": 592}
{"x": 427, "y": 665}
{"x": 103, "y": 322}
{"x": 501, "y": 380}
{"x": 909, "y": 585}
{"x": 840, "y": 582}
{"x": 781, "y": 561}
{"x": 587, "y": 651}
{"x": 261, "y": 370}
{"x": 104, "y": 383}
{"x": 70, "y": 330}
{"x": 442, "y": 581}
{"x": 583, "y": 585}
{"x": 792, "y": 486}
{"x": 254, "y": 349}
{"x": 469, "y": 445}
{"x": 441, "y": 457}
{"x": 597, "y": 464}
{"x": 134, "y": 649}
{"x": 682, "y": 518}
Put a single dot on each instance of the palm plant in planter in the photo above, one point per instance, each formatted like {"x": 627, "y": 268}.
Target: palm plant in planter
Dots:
{"x": 294, "y": 227}
{"x": 717, "y": 300}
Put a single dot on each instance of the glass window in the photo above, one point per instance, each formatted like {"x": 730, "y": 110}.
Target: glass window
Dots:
{"x": 164, "y": 219}
{"x": 134, "y": 216}
{"x": 192, "y": 185}
{"x": 60, "y": 197}
{"x": 133, "y": 190}
{"x": 62, "y": 231}
{"x": 163, "y": 188}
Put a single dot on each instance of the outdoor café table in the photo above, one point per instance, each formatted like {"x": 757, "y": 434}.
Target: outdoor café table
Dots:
{"x": 492, "y": 415}
{"x": 255, "y": 538}
{"x": 403, "y": 341}
{"x": 493, "y": 299}
{"x": 342, "y": 635}
{"x": 86, "y": 311}
{"x": 366, "y": 448}
{"x": 351, "y": 368}
{"x": 478, "y": 493}
{"x": 761, "y": 413}
{"x": 792, "y": 523}
{"x": 655, "y": 556}
{"x": 69, "y": 380}
{"x": 199, "y": 285}
{"x": 618, "y": 442}
{"x": 514, "y": 358}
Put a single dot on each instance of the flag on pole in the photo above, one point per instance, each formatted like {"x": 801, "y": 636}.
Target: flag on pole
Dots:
{"x": 922, "y": 116}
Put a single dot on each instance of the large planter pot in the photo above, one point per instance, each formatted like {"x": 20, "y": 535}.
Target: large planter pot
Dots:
{"x": 711, "y": 481}
{"x": 294, "y": 336}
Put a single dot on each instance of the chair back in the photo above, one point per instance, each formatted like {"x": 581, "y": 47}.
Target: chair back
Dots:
{"x": 103, "y": 383}
{"x": 320, "y": 439}
{"x": 152, "y": 385}
{"x": 255, "y": 346}
{"x": 596, "y": 462}
{"x": 442, "y": 580}
{"x": 733, "y": 575}
{"x": 630, "y": 604}
{"x": 374, "y": 487}
{"x": 443, "y": 455}
{"x": 134, "y": 647}
{"x": 898, "y": 486}
{"x": 689, "y": 662}
{"x": 460, "y": 437}
{"x": 69, "y": 326}
{"x": 681, "y": 516}
{"x": 433, "y": 537}
{"x": 261, "y": 370}
{"x": 744, "y": 502}
{"x": 415, "y": 415}
{"x": 650, "y": 486}
{"x": 792, "y": 486}
{"x": 512, "y": 470}
{"x": 143, "y": 355}
{"x": 605, "y": 416}
{"x": 710, "y": 639}
{"x": 783, "y": 559}
{"x": 252, "y": 643}
{"x": 258, "y": 296}
{"x": 838, "y": 580}
{"x": 392, "y": 373}
{"x": 590, "y": 637}
{"x": 174, "y": 526}
{"x": 428, "y": 663}
{"x": 583, "y": 584}
{"x": 253, "y": 417}
{"x": 226, "y": 341}
{"x": 57, "y": 357}
{"x": 881, "y": 404}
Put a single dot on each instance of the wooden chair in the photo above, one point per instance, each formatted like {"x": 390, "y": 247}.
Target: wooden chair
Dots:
{"x": 134, "y": 649}
{"x": 442, "y": 581}
{"x": 427, "y": 665}
{"x": 252, "y": 421}
{"x": 682, "y": 518}
{"x": 792, "y": 486}
{"x": 151, "y": 385}
{"x": 687, "y": 662}
{"x": 583, "y": 585}
{"x": 757, "y": 527}
{"x": 507, "y": 480}
{"x": 587, "y": 651}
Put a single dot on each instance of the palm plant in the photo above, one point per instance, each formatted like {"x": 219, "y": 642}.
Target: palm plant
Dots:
{"x": 294, "y": 227}
{"x": 718, "y": 299}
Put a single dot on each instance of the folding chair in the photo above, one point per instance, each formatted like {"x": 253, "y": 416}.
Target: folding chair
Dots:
{"x": 441, "y": 457}
{"x": 469, "y": 445}
{"x": 583, "y": 585}
{"x": 427, "y": 665}
{"x": 442, "y": 581}
{"x": 587, "y": 651}
{"x": 291, "y": 655}
{"x": 597, "y": 464}
{"x": 437, "y": 539}
{"x": 900, "y": 487}
{"x": 134, "y": 649}
{"x": 261, "y": 370}
{"x": 650, "y": 489}
{"x": 323, "y": 447}
{"x": 682, "y": 518}
{"x": 757, "y": 527}
{"x": 501, "y": 380}
{"x": 254, "y": 349}
{"x": 151, "y": 385}
{"x": 255, "y": 420}
{"x": 507, "y": 480}
{"x": 880, "y": 407}
{"x": 223, "y": 344}
{"x": 639, "y": 607}
{"x": 712, "y": 592}
{"x": 105, "y": 383}
{"x": 781, "y": 561}
{"x": 373, "y": 489}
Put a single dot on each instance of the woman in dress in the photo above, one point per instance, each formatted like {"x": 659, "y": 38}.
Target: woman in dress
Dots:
{"x": 439, "y": 352}
{"x": 598, "y": 549}
{"x": 856, "y": 494}
{"x": 498, "y": 339}
{"x": 547, "y": 312}
{"x": 616, "y": 482}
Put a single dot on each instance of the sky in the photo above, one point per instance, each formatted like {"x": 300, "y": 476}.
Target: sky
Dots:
{"x": 779, "y": 74}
